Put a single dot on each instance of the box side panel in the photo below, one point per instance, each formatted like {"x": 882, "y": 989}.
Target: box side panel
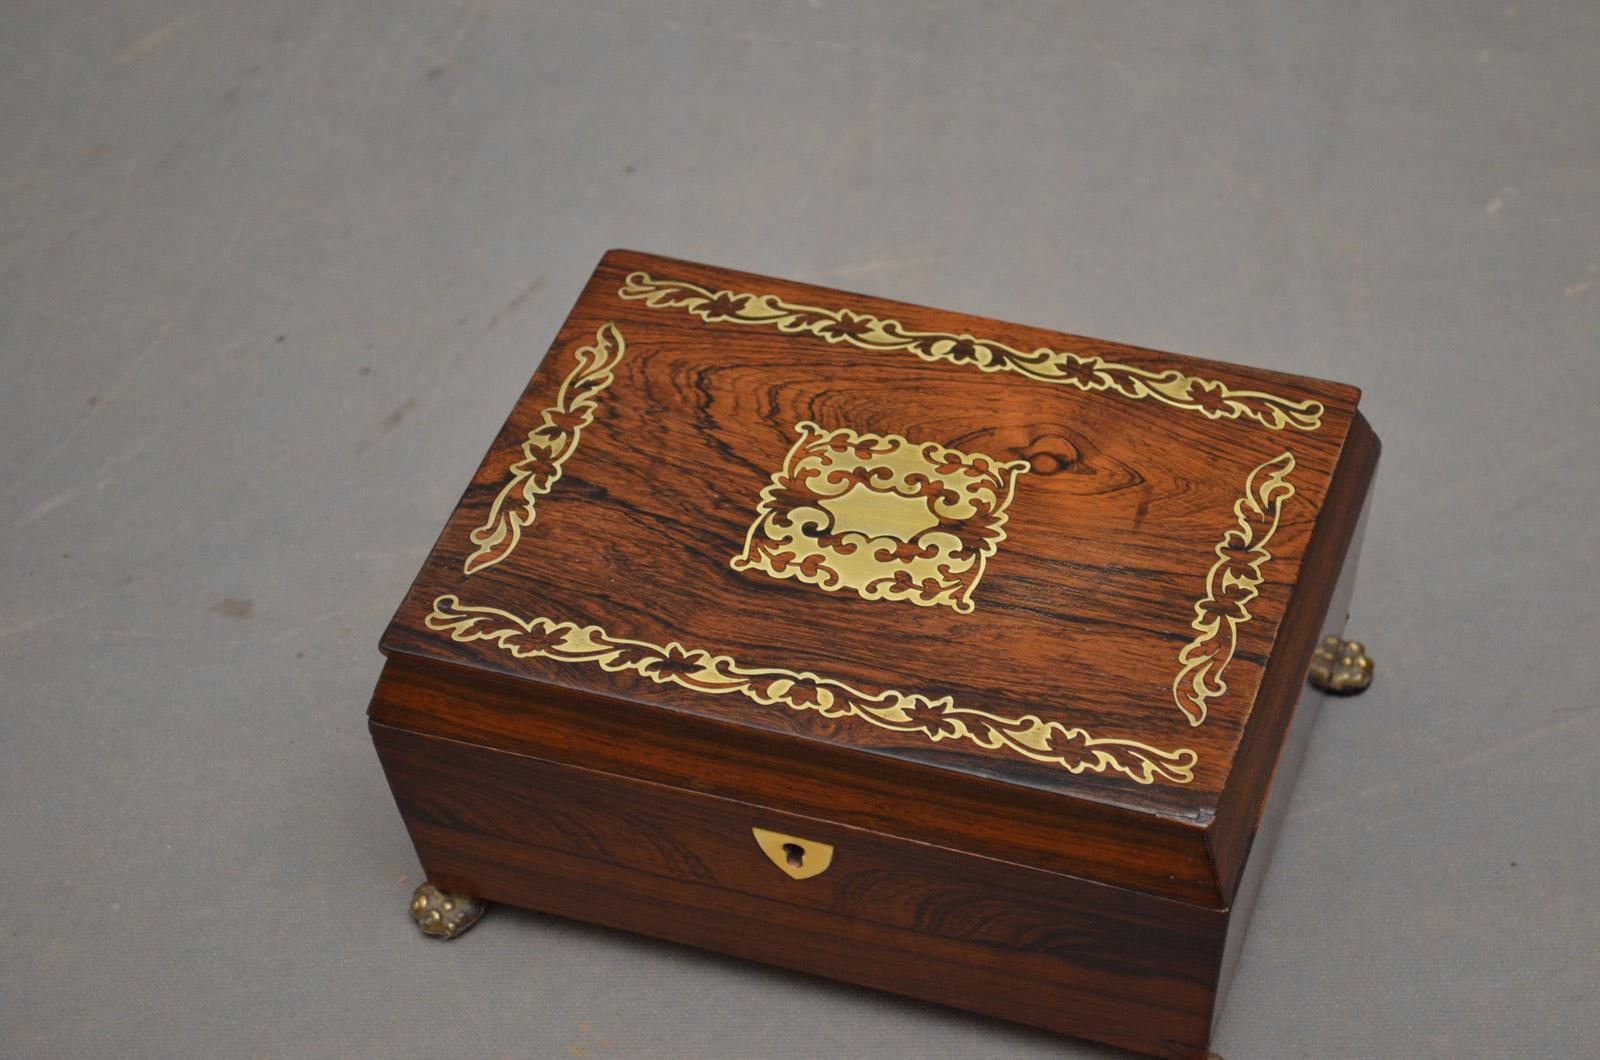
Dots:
{"x": 1239, "y": 811}
{"x": 930, "y": 923}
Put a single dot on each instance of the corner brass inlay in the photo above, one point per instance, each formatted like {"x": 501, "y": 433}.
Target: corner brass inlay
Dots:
{"x": 937, "y": 720}
{"x": 1232, "y": 583}
{"x": 881, "y": 516}
{"x": 800, "y": 859}
{"x": 547, "y": 447}
{"x": 1212, "y": 399}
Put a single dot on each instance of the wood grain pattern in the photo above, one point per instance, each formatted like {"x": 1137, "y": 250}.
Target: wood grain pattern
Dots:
{"x": 1146, "y": 852}
{"x": 1239, "y": 810}
{"x": 592, "y": 723}
{"x": 1031, "y": 946}
{"x": 1083, "y": 610}
{"x": 1001, "y": 934}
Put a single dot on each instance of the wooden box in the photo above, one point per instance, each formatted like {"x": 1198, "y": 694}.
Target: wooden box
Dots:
{"x": 918, "y": 650}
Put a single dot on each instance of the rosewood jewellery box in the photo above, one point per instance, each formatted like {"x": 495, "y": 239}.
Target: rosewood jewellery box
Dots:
{"x": 917, "y": 650}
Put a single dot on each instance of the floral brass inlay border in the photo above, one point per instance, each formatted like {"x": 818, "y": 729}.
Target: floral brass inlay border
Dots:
{"x": 1213, "y": 399}
{"x": 940, "y": 719}
{"x": 1232, "y": 583}
{"x": 547, "y": 447}
{"x": 880, "y": 515}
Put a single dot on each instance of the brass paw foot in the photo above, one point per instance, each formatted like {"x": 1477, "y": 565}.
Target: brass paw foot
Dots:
{"x": 1341, "y": 667}
{"x": 442, "y": 914}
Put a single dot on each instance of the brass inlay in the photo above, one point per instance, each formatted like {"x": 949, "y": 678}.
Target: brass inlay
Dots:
{"x": 547, "y": 447}
{"x": 800, "y": 859}
{"x": 1232, "y": 583}
{"x": 1341, "y": 667}
{"x": 866, "y": 513}
{"x": 1213, "y": 399}
{"x": 884, "y": 517}
{"x": 937, "y": 720}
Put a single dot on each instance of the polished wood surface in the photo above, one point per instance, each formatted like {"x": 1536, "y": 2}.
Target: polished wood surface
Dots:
{"x": 940, "y": 925}
{"x": 1081, "y": 613}
{"x": 1323, "y": 584}
{"x": 1139, "y": 851}
{"x": 536, "y": 762}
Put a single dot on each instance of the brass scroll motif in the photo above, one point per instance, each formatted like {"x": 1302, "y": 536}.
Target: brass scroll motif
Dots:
{"x": 1090, "y": 373}
{"x": 1232, "y": 583}
{"x": 937, "y": 720}
{"x": 547, "y": 447}
{"x": 881, "y": 516}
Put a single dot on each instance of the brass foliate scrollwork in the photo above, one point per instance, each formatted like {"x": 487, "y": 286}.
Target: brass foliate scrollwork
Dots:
{"x": 1087, "y": 372}
{"x": 546, "y": 448}
{"x": 936, "y": 719}
{"x": 1232, "y": 583}
{"x": 881, "y": 516}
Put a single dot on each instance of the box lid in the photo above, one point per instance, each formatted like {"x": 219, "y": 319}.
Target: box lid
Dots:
{"x": 1061, "y": 572}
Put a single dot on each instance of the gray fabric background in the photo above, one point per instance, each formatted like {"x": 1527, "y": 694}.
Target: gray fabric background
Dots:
{"x": 272, "y": 274}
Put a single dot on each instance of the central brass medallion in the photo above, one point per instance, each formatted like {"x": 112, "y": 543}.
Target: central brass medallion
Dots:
{"x": 884, "y": 517}
{"x": 872, "y": 514}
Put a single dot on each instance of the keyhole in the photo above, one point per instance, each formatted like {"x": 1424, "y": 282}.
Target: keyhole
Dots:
{"x": 794, "y": 854}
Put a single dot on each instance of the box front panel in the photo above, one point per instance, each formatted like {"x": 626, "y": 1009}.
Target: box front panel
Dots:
{"x": 985, "y": 935}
